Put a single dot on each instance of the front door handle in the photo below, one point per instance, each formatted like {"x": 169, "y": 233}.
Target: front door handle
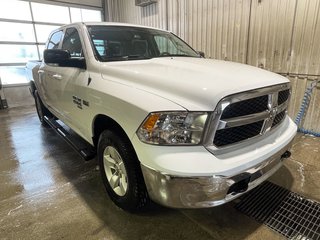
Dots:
{"x": 57, "y": 76}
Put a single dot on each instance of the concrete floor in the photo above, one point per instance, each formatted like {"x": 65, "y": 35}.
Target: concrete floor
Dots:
{"x": 48, "y": 192}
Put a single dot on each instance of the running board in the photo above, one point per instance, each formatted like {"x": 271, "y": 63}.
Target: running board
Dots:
{"x": 81, "y": 146}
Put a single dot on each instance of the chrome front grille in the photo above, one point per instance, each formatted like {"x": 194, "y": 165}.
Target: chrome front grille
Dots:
{"x": 231, "y": 135}
{"x": 283, "y": 96}
{"x": 251, "y": 114}
{"x": 246, "y": 107}
{"x": 279, "y": 117}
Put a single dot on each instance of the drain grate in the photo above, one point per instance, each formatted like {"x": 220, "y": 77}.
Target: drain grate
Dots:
{"x": 284, "y": 211}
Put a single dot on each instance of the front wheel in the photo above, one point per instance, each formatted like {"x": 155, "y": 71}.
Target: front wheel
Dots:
{"x": 121, "y": 172}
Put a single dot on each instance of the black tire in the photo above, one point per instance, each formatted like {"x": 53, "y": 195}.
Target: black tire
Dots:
{"x": 135, "y": 198}
{"x": 41, "y": 109}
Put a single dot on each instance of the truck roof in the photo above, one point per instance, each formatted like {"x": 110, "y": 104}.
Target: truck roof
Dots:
{"x": 112, "y": 24}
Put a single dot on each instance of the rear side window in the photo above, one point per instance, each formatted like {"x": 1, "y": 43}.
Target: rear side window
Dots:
{"x": 72, "y": 43}
{"x": 55, "y": 39}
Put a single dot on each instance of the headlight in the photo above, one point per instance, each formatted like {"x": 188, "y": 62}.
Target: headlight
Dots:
{"x": 173, "y": 128}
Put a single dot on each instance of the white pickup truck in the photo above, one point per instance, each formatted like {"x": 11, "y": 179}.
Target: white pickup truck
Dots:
{"x": 166, "y": 123}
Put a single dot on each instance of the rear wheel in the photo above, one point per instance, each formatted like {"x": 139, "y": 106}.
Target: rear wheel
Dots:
{"x": 121, "y": 172}
{"x": 41, "y": 109}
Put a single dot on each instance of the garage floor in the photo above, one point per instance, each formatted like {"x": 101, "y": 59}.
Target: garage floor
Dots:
{"x": 48, "y": 192}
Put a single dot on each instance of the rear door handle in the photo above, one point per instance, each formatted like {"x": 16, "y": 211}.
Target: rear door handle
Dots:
{"x": 40, "y": 71}
{"x": 57, "y": 76}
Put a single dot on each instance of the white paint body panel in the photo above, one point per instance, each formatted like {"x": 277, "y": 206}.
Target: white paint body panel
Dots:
{"x": 196, "y": 84}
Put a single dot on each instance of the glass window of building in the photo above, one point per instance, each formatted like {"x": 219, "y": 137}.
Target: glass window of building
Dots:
{"x": 25, "y": 28}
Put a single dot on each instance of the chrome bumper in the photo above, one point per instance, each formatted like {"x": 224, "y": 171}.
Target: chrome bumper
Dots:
{"x": 209, "y": 191}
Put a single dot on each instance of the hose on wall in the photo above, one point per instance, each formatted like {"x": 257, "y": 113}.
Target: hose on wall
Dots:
{"x": 303, "y": 108}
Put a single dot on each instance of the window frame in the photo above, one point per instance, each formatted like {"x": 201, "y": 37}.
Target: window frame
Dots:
{"x": 40, "y": 44}
{"x": 50, "y": 37}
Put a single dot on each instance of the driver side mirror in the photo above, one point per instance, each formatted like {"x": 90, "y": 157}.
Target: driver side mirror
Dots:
{"x": 62, "y": 58}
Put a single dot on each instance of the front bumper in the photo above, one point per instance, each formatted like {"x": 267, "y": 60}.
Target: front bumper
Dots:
{"x": 208, "y": 191}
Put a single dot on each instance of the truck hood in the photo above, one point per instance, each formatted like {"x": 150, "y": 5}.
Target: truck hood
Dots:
{"x": 196, "y": 84}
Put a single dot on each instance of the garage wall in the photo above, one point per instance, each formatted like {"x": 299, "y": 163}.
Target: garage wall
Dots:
{"x": 126, "y": 11}
{"x": 279, "y": 35}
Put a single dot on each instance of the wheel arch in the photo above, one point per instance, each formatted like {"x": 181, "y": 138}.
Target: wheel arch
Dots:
{"x": 102, "y": 122}
{"x": 32, "y": 88}
{"x": 136, "y": 196}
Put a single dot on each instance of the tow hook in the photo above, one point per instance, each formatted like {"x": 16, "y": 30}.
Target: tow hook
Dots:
{"x": 287, "y": 154}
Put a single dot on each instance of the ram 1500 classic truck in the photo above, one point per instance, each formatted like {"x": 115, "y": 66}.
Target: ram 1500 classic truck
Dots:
{"x": 165, "y": 123}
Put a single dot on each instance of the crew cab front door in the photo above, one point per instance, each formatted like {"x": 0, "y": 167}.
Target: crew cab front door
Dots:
{"x": 61, "y": 83}
{"x": 48, "y": 76}
{"x": 70, "y": 82}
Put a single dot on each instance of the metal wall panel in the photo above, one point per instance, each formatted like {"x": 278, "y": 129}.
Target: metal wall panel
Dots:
{"x": 285, "y": 36}
{"x": 306, "y": 38}
{"x": 153, "y": 15}
{"x": 217, "y": 27}
{"x": 271, "y": 26}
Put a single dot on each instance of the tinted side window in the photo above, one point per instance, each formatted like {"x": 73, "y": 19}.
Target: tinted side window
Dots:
{"x": 72, "y": 43}
{"x": 55, "y": 40}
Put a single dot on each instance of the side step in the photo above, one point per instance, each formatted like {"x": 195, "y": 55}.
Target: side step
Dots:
{"x": 81, "y": 146}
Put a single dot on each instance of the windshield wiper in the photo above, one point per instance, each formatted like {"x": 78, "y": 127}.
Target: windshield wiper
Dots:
{"x": 175, "y": 55}
{"x": 131, "y": 57}
{"x": 125, "y": 58}
{"x": 115, "y": 58}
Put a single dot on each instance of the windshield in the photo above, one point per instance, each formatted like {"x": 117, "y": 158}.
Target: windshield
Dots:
{"x": 120, "y": 43}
